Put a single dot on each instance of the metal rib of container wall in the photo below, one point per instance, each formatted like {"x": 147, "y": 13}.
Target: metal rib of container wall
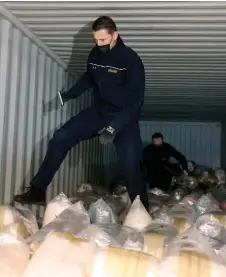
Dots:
{"x": 198, "y": 141}
{"x": 29, "y": 80}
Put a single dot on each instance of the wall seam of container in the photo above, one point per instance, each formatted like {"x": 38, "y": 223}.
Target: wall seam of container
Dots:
{"x": 26, "y": 31}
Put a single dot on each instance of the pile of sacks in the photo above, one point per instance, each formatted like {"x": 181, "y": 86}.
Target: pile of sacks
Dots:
{"x": 96, "y": 234}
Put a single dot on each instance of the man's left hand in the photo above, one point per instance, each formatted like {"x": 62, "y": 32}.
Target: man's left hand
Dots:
{"x": 107, "y": 135}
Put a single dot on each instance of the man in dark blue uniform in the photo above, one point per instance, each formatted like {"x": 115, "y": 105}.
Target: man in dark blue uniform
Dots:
{"x": 116, "y": 74}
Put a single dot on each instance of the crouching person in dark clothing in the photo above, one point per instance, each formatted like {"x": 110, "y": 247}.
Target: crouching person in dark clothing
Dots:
{"x": 116, "y": 74}
{"x": 156, "y": 160}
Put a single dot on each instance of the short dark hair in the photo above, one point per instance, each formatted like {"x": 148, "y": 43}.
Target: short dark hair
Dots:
{"x": 104, "y": 22}
{"x": 157, "y": 135}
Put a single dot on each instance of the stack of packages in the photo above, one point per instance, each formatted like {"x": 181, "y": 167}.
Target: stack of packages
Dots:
{"x": 96, "y": 234}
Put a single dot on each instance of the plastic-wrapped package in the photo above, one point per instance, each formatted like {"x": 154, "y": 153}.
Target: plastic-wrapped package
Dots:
{"x": 94, "y": 233}
{"x": 154, "y": 205}
{"x": 206, "y": 203}
{"x": 87, "y": 197}
{"x": 14, "y": 255}
{"x": 101, "y": 212}
{"x": 212, "y": 226}
{"x": 182, "y": 217}
{"x": 55, "y": 207}
{"x": 122, "y": 192}
{"x": 189, "y": 182}
{"x": 220, "y": 174}
{"x": 161, "y": 215}
{"x": 191, "y": 256}
{"x": 192, "y": 198}
{"x": 61, "y": 254}
{"x": 115, "y": 262}
{"x": 137, "y": 217}
{"x": 178, "y": 194}
{"x": 28, "y": 219}
{"x": 126, "y": 237}
{"x": 8, "y": 215}
{"x": 207, "y": 178}
{"x": 72, "y": 220}
{"x": 156, "y": 237}
{"x": 84, "y": 187}
{"x": 158, "y": 192}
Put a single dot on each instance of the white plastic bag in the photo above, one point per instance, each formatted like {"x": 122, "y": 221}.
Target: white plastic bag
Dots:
{"x": 60, "y": 255}
{"x": 101, "y": 212}
{"x": 14, "y": 256}
{"x": 56, "y": 207}
{"x": 137, "y": 217}
{"x": 72, "y": 220}
{"x": 191, "y": 255}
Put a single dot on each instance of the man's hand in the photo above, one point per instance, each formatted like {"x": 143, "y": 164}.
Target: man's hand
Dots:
{"x": 107, "y": 135}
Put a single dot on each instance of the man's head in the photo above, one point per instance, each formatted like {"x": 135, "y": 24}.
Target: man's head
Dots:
{"x": 105, "y": 33}
{"x": 157, "y": 139}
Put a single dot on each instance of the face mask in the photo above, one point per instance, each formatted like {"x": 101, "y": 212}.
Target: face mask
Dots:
{"x": 104, "y": 48}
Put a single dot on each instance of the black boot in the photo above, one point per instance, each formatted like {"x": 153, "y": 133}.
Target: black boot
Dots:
{"x": 32, "y": 195}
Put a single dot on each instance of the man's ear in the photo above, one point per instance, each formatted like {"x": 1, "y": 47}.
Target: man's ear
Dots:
{"x": 115, "y": 35}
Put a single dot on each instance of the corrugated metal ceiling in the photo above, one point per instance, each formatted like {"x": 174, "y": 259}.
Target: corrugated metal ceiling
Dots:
{"x": 182, "y": 44}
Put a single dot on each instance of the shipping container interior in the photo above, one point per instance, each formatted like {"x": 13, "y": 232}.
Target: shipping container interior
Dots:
{"x": 44, "y": 46}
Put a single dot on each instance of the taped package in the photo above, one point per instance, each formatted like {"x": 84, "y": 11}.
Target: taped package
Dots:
{"x": 119, "y": 262}
{"x": 72, "y": 220}
{"x": 55, "y": 207}
{"x": 61, "y": 254}
{"x": 191, "y": 257}
{"x": 156, "y": 237}
{"x": 14, "y": 255}
{"x": 137, "y": 217}
{"x": 125, "y": 237}
{"x": 101, "y": 212}
{"x": 182, "y": 217}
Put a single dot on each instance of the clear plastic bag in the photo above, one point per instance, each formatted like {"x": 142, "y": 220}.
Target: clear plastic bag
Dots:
{"x": 14, "y": 255}
{"x": 61, "y": 254}
{"x": 87, "y": 197}
{"x": 28, "y": 219}
{"x": 182, "y": 217}
{"x": 115, "y": 262}
{"x": 137, "y": 217}
{"x": 220, "y": 174}
{"x": 126, "y": 237}
{"x": 161, "y": 215}
{"x": 84, "y": 187}
{"x": 206, "y": 203}
{"x": 101, "y": 212}
{"x": 191, "y": 255}
{"x": 56, "y": 207}
{"x": 192, "y": 198}
{"x": 72, "y": 220}
{"x": 8, "y": 215}
{"x": 94, "y": 233}
{"x": 210, "y": 225}
{"x": 156, "y": 237}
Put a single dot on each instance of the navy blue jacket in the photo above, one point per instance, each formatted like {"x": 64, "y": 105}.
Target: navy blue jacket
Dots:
{"x": 118, "y": 82}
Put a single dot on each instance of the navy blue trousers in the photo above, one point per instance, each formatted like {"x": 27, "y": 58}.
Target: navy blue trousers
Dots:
{"x": 84, "y": 126}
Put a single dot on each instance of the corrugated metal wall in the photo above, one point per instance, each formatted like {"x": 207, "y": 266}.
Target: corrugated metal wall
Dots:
{"x": 29, "y": 114}
{"x": 198, "y": 141}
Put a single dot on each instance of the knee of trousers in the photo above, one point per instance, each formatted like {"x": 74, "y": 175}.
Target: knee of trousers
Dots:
{"x": 61, "y": 139}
